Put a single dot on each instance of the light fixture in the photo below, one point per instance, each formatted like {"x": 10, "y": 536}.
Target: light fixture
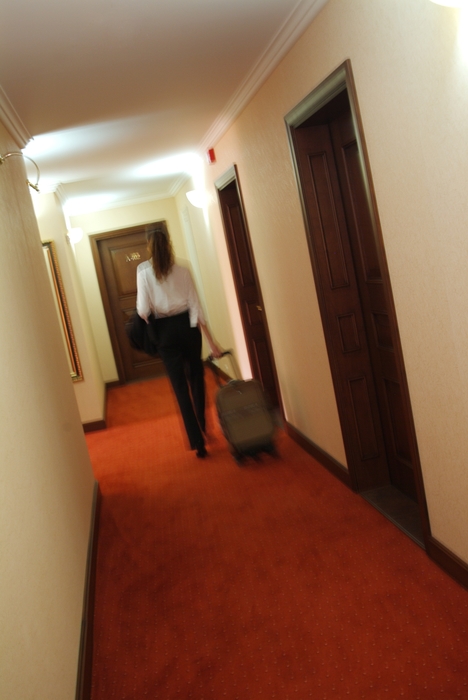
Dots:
{"x": 198, "y": 198}
{"x": 74, "y": 235}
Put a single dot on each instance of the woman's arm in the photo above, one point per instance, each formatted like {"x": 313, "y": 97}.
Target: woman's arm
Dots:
{"x": 214, "y": 347}
{"x": 196, "y": 313}
{"x": 142, "y": 301}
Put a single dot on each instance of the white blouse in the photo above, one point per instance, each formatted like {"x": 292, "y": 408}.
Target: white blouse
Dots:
{"x": 172, "y": 296}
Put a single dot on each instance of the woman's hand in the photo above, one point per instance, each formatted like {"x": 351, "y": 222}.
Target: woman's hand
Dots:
{"x": 216, "y": 350}
{"x": 214, "y": 347}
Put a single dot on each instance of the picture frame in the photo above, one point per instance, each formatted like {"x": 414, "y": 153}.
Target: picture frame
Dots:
{"x": 53, "y": 268}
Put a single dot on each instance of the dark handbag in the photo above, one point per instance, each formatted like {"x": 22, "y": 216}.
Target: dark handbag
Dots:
{"x": 142, "y": 335}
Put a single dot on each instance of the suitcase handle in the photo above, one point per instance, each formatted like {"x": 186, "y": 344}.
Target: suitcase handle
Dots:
{"x": 211, "y": 357}
{"x": 210, "y": 360}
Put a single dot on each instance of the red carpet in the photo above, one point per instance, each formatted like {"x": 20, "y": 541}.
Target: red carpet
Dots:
{"x": 272, "y": 580}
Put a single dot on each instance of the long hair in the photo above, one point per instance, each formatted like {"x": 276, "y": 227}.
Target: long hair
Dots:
{"x": 161, "y": 250}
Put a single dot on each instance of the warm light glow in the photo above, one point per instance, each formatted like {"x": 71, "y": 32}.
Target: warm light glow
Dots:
{"x": 183, "y": 163}
{"x": 43, "y": 144}
{"x": 75, "y": 235}
{"x": 47, "y": 185}
{"x": 451, "y": 3}
{"x": 463, "y": 33}
{"x": 198, "y": 198}
{"x": 85, "y": 205}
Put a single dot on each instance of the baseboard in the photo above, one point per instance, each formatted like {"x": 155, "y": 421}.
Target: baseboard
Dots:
{"x": 85, "y": 659}
{"x": 111, "y": 385}
{"x": 320, "y": 455}
{"x": 448, "y": 561}
{"x": 94, "y": 425}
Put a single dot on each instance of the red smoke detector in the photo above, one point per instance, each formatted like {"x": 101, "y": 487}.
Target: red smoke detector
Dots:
{"x": 210, "y": 155}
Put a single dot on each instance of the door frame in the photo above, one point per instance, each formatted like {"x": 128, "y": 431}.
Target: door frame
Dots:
{"x": 340, "y": 80}
{"x": 230, "y": 176}
{"x": 94, "y": 242}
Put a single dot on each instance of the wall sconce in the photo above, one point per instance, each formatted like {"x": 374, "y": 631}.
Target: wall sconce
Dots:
{"x": 198, "y": 198}
{"x": 74, "y": 235}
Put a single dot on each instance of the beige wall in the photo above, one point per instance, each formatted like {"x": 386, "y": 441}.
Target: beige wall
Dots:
{"x": 412, "y": 86}
{"x": 203, "y": 256}
{"x": 45, "y": 474}
{"x": 90, "y": 392}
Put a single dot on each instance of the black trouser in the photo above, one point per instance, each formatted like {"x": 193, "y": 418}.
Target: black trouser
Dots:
{"x": 180, "y": 346}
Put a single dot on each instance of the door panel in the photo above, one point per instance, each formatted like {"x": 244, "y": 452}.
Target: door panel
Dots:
{"x": 248, "y": 290}
{"x": 343, "y": 320}
{"x": 327, "y": 217}
{"x": 374, "y": 304}
{"x": 364, "y": 417}
{"x": 118, "y": 256}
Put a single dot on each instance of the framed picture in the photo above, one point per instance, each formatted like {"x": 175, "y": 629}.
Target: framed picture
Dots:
{"x": 66, "y": 327}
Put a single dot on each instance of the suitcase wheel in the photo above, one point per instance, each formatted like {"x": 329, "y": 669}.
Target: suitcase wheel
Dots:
{"x": 270, "y": 449}
{"x": 238, "y": 459}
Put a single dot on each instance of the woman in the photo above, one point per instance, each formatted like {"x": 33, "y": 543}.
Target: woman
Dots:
{"x": 166, "y": 290}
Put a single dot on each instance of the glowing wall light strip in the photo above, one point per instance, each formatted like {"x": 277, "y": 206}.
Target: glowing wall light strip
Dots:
{"x": 451, "y": 3}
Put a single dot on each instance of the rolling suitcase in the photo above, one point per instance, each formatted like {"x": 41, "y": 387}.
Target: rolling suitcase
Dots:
{"x": 245, "y": 418}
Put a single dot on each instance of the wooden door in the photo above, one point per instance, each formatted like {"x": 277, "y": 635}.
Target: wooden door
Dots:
{"x": 375, "y": 306}
{"x": 247, "y": 285}
{"x": 117, "y": 255}
{"x": 355, "y": 301}
{"x": 354, "y": 386}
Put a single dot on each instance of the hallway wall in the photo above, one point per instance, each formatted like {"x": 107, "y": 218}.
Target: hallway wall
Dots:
{"x": 90, "y": 392}
{"x": 220, "y": 309}
{"x": 45, "y": 474}
{"x": 412, "y": 84}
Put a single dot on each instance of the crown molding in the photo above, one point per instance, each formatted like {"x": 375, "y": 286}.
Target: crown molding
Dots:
{"x": 59, "y": 191}
{"x": 178, "y": 183}
{"x": 294, "y": 26}
{"x": 12, "y": 122}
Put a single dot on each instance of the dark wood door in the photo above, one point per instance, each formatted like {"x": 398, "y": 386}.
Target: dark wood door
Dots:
{"x": 375, "y": 306}
{"x": 354, "y": 303}
{"x": 247, "y": 287}
{"x": 117, "y": 255}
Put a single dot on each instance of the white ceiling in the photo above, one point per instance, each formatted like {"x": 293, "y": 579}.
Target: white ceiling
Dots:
{"x": 108, "y": 87}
